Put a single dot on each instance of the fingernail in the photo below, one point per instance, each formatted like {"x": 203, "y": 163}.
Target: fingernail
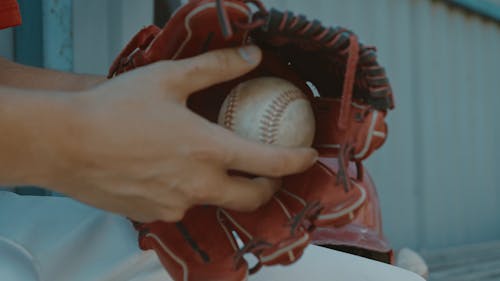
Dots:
{"x": 250, "y": 54}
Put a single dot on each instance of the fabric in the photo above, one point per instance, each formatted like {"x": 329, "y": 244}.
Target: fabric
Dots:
{"x": 45, "y": 238}
{"x": 9, "y": 13}
{"x": 58, "y": 239}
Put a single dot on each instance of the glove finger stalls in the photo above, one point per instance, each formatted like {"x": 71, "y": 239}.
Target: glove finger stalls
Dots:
{"x": 197, "y": 248}
{"x": 319, "y": 184}
{"x": 269, "y": 232}
{"x": 367, "y": 133}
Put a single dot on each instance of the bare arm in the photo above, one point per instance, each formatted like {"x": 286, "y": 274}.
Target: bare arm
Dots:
{"x": 130, "y": 145}
{"x": 26, "y": 77}
{"x": 30, "y": 134}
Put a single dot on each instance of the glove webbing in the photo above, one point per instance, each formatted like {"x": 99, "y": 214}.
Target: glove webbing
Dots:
{"x": 312, "y": 36}
{"x": 338, "y": 44}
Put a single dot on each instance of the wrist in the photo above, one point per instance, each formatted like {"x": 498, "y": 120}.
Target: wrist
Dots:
{"x": 37, "y": 128}
{"x": 86, "y": 82}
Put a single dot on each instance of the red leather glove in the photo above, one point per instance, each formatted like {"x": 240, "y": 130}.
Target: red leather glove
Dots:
{"x": 354, "y": 95}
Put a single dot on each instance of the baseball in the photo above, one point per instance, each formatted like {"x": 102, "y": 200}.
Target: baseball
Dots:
{"x": 269, "y": 110}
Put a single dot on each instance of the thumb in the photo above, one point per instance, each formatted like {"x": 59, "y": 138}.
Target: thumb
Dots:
{"x": 196, "y": 73}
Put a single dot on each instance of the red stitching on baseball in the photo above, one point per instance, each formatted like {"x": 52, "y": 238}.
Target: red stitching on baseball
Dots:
{"x": 272, "y": 116}
{"x": 231, "y": 109}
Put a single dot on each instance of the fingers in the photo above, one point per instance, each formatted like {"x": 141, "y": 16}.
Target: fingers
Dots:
{"x": 190, "y": 75}
{"x": 272, "y": 161}
{"x": 244, "y": 194}
{"x": 263, "y": 159}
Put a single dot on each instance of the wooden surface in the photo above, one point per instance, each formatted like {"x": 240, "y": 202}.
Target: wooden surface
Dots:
{"x": 480, "y": 262}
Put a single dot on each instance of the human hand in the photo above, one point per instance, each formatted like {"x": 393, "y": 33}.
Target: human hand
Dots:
{"x": 139, "y": 151}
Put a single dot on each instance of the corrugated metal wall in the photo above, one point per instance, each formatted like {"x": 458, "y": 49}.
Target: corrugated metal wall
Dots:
{"x": 456, "y": 66}
{"x": 102, "y": 28}
{"x": 436, "y": 175}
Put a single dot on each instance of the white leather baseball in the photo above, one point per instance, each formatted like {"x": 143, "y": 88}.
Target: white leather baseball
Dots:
{"x": 269, "y": 110}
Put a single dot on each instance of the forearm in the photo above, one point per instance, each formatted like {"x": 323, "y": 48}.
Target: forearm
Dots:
{"x": 33, "y": 130}
{"x": 25, "y": 77}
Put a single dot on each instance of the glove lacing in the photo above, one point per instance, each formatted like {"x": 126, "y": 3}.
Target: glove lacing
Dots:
{"x": 340, "y": 40}
{"x": 227, "y": 26}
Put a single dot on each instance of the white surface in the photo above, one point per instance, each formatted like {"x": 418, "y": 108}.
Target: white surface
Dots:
{"x": 15, "y": 262}
{"x": 68, "y": 241}
{"x": 412, "y": 261}
{"x": 321, "y": 264}
{"x": 58, "y": 239}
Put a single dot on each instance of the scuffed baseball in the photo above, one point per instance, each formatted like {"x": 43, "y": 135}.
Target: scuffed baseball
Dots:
{"x": 269, "y": 110}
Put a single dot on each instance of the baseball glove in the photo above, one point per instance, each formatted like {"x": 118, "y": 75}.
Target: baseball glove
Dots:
{"x": 350, "y": 95}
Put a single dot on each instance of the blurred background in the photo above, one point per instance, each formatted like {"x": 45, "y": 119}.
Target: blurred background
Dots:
{"x": 436, "y": 175}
